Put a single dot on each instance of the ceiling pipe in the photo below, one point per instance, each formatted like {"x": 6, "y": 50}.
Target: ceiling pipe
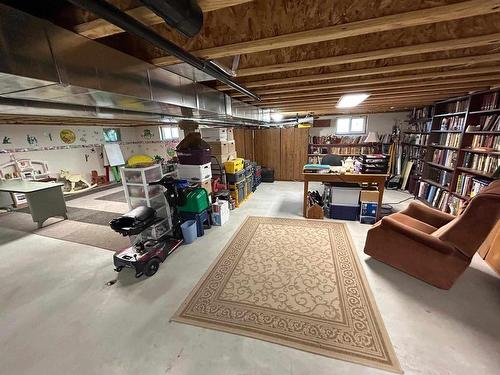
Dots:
{"x": 113, "y": 15}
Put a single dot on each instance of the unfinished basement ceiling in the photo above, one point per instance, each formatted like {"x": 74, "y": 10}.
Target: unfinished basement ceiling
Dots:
{"x": 301, "y": 56}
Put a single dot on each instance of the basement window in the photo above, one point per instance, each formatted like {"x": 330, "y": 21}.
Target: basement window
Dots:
{"x": 112, "y": 135}
{"x": 351, "y": 125}
{"x": 169, "y": 133}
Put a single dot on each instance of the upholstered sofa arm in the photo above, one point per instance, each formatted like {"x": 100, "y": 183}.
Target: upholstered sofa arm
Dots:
{"x": 425, "y": 239}
{"x": 427, "y": 214}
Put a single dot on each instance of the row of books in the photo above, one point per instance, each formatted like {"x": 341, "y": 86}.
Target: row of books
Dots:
{"x": 385, "y": 138}
{"x": 419, "y": 113}
{"x": 470, "y": 185}
{"x": 486, "y": 123}
{"x": 486, "y": 141}
{"x": 333, "y": 139}
{"x": 410, "y": 151}
{"x": 440, "y": 176}
{"x": 416, "y": 139}
{"x": 444, "y": 157}
{"x": 458, "y": 106}
{"x": 449, "y": 139}
{"x": 455, "y": 205}
{"x": 453, "y": 123}
{"x": 481, "y": 162}
{"x": 436, "y": 196}
{"x": 423, "y": 127}
{"x": 349, "y": 150}
{"x": 489, "y": 101}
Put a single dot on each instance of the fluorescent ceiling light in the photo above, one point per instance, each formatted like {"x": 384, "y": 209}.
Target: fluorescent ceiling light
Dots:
{"x": 276, "y": 116}
{"x": 351, "y": 100}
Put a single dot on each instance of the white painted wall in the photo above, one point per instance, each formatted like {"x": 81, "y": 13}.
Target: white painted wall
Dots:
{"x": 89, "y": 140}
{"x": 381, "y": 123}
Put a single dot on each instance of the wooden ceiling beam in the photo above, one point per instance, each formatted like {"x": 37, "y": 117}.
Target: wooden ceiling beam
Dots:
{"x": 386, "y": 23}
{"x": 452, "y": 62}
{"x": 444, "y": 45}
{"x": 374, "y": 90}
{"x": 101, "y": 28}
{"x": 447, "y": 91}
{"x": 474, "y": 72}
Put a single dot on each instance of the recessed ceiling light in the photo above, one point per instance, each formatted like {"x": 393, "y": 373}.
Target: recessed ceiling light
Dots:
{"x": 351, "y": 100}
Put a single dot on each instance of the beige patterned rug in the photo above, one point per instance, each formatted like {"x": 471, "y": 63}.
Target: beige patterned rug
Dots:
{"x": 297, "y": 283}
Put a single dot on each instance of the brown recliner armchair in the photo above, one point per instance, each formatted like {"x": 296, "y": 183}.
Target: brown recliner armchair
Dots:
{"x": 431, "y": 245}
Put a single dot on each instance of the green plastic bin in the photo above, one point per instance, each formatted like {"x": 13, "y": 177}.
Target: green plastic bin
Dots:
{"x": 197, "y": 201}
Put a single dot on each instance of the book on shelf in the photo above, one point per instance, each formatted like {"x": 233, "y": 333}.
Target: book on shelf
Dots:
{"x": 489, "y": 101}
{"x": 486, "y": 123}
{"x": 469, "y": 185}
{"x": 449, "y": 140}
{"x": 416, "y": 139}
{"x": 440, "y": 176}
{"x": 481, "y": 162}
{"x": 422, "y": 113}
{"x": 486, "y": 142}
{"x": 435, "y": 196}
{"x": 444, "y": 157}
{"x": 452, "y": 123}
{"x": 420, "y": 126}
{"x": 457, "y": 106}
{"x": 456, "y": 205}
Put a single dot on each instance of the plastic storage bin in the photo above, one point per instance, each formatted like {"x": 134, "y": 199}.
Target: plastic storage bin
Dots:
{"x": 345, "y": 195}
{"x": 233, "y": 166}
{"x": 344, "y": 212}
{"x": 195, "y": 172}
{"x": 194, "y": 156}
{"x": 196, "y": 201}
{"x": 189, "y": 231}
{"x": 233, "y": 178}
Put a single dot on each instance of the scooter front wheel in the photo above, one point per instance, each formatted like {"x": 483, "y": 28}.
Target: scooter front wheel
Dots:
{"x": 151, "y": 267}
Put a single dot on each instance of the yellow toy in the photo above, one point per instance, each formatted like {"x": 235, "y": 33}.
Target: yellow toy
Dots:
{"x": 140, "y": 160}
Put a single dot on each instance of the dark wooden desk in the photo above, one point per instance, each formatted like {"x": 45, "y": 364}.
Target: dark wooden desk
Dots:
{"x": 378, "y": 179}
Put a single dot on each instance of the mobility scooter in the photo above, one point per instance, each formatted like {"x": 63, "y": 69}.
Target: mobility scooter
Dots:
{"x": 157, "y": 237}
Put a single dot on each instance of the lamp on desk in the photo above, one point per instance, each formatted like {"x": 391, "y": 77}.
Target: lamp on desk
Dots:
{"x": 372, "y": 137}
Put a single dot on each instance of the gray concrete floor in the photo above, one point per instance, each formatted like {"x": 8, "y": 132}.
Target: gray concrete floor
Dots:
{"x": 58, "y": 316}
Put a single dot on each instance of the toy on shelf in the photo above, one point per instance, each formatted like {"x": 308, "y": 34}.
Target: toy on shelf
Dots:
{"x": 98, "y": 179}
{"x": 73, "y": 180}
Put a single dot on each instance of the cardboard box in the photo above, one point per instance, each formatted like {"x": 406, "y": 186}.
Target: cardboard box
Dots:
{"x": 231, "y": 146}
{"x": 230, "y": 135}
{"x": 222, "y": 158}
{"x": 219, "y": 147}
{"x": 368, "y": 196}
{"x": 215, "y": 134}
{"x": 220, "y": 212}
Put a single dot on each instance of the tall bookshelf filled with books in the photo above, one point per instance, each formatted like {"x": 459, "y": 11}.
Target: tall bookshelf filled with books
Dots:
{"x": 414, "y": 140}
{"x": 462, "y": 150}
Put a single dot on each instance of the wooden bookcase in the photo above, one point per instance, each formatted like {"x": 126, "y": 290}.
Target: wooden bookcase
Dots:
{"x": 452, "y": 150}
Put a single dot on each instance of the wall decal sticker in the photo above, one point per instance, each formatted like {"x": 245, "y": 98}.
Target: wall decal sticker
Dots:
{"x": 67, "y": 136}
{"x": 147, "y": 134}
{"x": 31, "y": 140}
{"x": 7, "y": 140}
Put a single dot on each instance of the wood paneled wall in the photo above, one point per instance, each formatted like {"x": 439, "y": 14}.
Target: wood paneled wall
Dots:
{"x": 284, "y": 150}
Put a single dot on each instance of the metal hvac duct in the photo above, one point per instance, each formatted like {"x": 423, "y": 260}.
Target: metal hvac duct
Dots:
{"x": 48, "y": 64}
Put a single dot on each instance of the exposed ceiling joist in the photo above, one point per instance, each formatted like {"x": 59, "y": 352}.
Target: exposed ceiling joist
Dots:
{"x": 382, "y": 89}
{"x": 452, "y": 62}
{"x": 444, "y": 45}
{"x": 386, "y": 94}
{"x": 100, "y": 28}
{"x": 372, "y": 25}
{"x": 375, "y": 81}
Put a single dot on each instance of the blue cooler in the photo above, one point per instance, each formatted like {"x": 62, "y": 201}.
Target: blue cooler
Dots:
{"x": 344, "y": 212}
